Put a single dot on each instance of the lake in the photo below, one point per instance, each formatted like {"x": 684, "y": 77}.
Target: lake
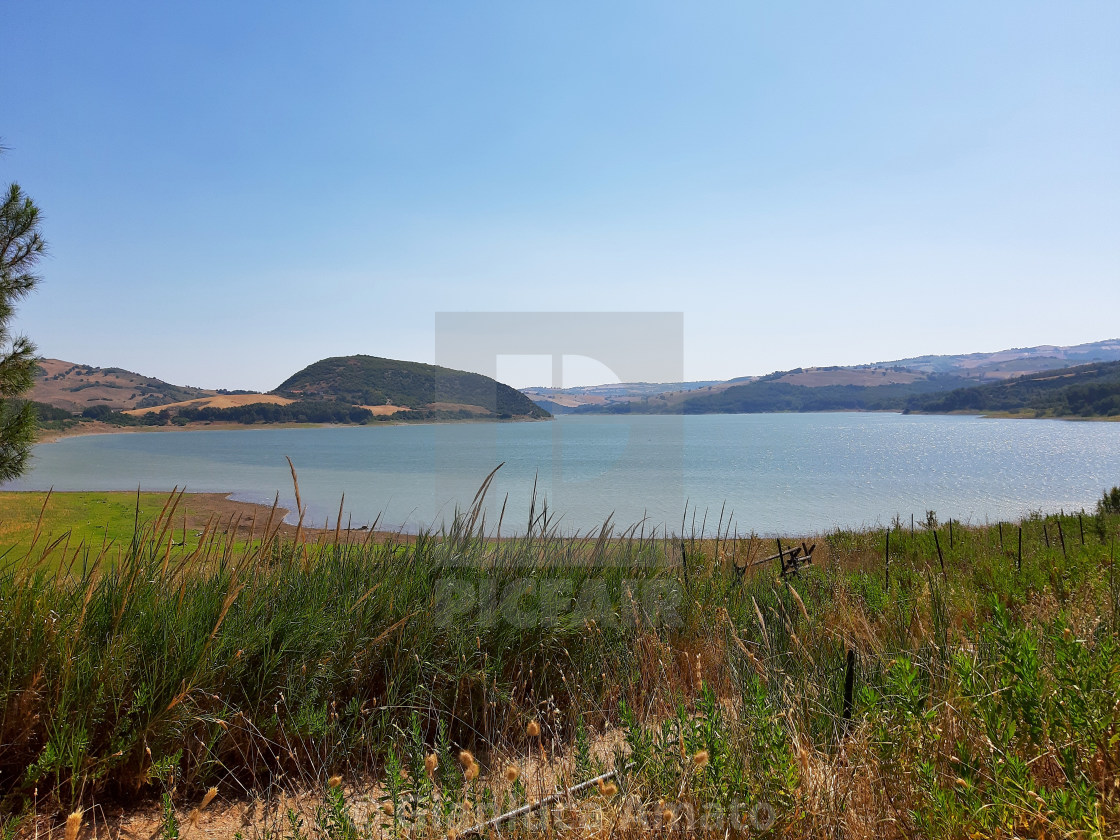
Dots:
{"x": 774, "y": 473}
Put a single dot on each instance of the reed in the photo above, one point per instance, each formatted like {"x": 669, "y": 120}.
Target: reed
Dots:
{"x": 977, "y": 699}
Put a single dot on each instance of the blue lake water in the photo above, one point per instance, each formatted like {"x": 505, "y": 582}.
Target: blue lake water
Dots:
{"x": 774, "y": 473}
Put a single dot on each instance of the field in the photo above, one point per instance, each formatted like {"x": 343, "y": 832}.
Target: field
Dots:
{"x": 945, "y": 681}
{"x": 216, "y": 401}
{"x": 106, "y": 522}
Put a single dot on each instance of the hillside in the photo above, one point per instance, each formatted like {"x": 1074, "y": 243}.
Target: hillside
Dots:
{"x": 373, "y": 382}
{"x": 891, "y": 385}
{"x": 570, "y": 400}
{"x": 1084, "y": 391}
{"x": 76, "y": 387}
{"x": 1006, "y": 364}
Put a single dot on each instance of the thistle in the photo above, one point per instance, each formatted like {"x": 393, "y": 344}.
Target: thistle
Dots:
{"x": 607, "y": 789}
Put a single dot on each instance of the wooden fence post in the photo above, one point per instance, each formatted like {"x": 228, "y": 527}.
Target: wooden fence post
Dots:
{"x": 887, "y": 560}
{"x": 849, "y": 687}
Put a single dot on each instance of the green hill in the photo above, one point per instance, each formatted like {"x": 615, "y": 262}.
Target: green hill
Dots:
{"x": 373, "y": 381}
{"x": 1083, "y": 391}
{"x": 769, "y": 394}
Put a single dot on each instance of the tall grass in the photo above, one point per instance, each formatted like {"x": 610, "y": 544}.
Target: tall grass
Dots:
{"x": 983, "y": 694}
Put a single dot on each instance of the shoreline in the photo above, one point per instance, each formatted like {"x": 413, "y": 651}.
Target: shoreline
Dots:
{"x": 96, "y": 427}
{"x": 243, "y": 519}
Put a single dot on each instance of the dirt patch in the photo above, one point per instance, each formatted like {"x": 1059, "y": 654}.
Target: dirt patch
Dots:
{"x": 270, "y": 813}
{"x": 450, "y": 406}
{"x": 216, "y": 401}
{"x": 384, "y": 410}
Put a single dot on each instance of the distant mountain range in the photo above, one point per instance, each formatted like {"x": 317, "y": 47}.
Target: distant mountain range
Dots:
{"x": 1083, "y": 380}
{"x": 340, "y": 389}
{"x": 893, "y": 385}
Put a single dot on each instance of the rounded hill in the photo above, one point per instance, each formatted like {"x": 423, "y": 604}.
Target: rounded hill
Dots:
{"x": 372, "y": 381}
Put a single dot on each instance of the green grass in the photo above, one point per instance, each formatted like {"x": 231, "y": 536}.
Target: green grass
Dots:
{"x": 983, "y": 701}
{"x": 89, "y": 518}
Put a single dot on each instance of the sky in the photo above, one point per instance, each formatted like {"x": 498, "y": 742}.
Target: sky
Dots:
{"x": 232, "y": 191}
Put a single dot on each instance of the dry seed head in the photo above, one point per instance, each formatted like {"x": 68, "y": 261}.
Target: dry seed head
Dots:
{"x": 334, "y": 781}
{"x": 466, "y": 759}
{"x": 512, "y": 772}
{"x": 387, "y": 808}
{"x": 208, "y": 797}
{"x": 471, "y": 773}
{"x": 701, "y": 759}
{"x": 73, "y": 825}
{"x": 609, "y": 789}
{"x": 800, "y": 603}
{"x": 431, "y": 763}
{"x": 533, "y": 729}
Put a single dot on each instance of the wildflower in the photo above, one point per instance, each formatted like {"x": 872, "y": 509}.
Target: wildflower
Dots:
{"x": 73, "y": 825}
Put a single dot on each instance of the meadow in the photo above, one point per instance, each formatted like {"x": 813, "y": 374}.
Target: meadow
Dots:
{"x": 945, "y": 680}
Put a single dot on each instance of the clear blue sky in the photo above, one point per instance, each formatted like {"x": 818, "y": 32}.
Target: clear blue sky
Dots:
{"x": 234, "y": 190}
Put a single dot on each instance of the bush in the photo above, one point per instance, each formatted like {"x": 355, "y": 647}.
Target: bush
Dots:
{"x": 1110, "y": 501}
